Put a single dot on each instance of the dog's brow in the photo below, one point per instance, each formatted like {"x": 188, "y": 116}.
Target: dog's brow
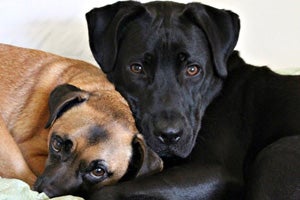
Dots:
{"x": 96, "y": 133}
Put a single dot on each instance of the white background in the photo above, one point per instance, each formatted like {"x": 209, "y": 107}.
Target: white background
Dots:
{"x": 270, "y": 29}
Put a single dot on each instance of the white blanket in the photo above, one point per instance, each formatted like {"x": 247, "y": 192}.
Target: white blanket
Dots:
{"x": 14, "y": 189}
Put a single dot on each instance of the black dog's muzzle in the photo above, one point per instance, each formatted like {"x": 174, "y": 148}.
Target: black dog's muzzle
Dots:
{"x": 168, "y": 126}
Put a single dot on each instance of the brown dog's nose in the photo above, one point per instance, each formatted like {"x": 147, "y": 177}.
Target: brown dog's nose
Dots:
{"x": 49, "y": 190}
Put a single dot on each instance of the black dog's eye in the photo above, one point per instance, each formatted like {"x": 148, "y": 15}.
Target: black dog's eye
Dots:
{"x": 136, "y": 68}
{"x": 98, "y": 172}
{"x": 193, "y": 70}
{"x": 57, "y": 144}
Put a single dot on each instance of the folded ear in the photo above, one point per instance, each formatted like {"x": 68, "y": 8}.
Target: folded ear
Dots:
{"x": 62, "y": 98}
{"x": 144, "y": 161}
{"x": 104, "y": 25}
{"x": 150, "y": 162}
{"x": 221, "y": 27}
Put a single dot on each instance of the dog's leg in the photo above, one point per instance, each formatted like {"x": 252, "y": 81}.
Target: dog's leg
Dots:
{"x": 12, "y": 163}
{"x": 275, "y": 173}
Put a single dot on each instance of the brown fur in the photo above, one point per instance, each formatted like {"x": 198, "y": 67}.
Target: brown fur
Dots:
{"x": 27, "y": 77}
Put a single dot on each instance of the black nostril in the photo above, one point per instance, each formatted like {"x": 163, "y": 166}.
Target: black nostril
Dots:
{"x": 168, "y": 140}
{"x": 169, "y": 136}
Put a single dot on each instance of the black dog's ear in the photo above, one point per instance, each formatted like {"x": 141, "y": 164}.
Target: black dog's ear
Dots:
{"x": 221, "y": 28}
{"x": 144, "y": 161}
{"x": 62, "y": 98}
{"x": 104, "y": 24}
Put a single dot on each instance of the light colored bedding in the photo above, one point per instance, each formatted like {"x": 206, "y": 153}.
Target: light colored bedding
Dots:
{"x": 14, "y": 189}
{"x": 288, "y": 71}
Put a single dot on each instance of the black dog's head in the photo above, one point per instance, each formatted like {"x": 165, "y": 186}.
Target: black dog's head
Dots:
{"x": 168, "y": 60}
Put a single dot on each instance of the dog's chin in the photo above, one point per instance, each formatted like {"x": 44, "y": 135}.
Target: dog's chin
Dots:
{"x": 181, "y": 149}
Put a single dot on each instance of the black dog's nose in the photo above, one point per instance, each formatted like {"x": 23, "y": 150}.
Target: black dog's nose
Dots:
{"x": 169, "y": 136}
{"x": 168, "y": 127}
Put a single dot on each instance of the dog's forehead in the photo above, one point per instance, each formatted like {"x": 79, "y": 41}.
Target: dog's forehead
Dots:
{"x": 112, "y": 107}
{"x": 164, "y": 31}
{"x": 165, "y": 8}
{"x": 109, "y": 134}
{"x": 96, "y": 121}
{"x": 108, "y": 137}
{"x": 111, "y": 143}
{"x": 100, "y": 118}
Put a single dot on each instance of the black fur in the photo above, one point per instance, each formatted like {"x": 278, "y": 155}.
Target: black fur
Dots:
{"x": 224, "y": 116}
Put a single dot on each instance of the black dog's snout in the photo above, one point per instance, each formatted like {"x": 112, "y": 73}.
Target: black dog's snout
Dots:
{"x": 168, "y": 128}
{"x": 169, "y": 136}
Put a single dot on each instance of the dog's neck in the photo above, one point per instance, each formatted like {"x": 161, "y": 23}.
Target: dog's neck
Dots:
{"x": 235, "y": 61}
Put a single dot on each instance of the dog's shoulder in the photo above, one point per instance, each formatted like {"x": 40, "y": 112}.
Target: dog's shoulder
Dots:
{"x": 260, "y": 79}
{"x": 236, "y": 66}
{"x": 235, "y": 61}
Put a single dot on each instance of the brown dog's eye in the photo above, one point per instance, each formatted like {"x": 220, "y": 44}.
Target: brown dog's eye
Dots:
{"x": 193, "y": 70}
{"x": 136, "y": 68}
{"x": 56, "y": 145}
{"x": 98, "y": 172}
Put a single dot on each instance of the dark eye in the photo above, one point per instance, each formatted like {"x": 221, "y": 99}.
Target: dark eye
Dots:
{"x": 57, "y": 144}
{"x": 136, "y": 68}
{"x": 193, "y": 70}
{"x": 98, "y": 172}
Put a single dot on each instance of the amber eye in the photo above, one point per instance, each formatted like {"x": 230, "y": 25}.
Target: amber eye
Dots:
{"x": 98, "y": 172}
{"x": 56, "y": 145}
{"x": 193, "y": 70}
{"x": 136, "y": 68}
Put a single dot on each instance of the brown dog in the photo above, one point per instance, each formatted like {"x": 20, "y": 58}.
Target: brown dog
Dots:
{"x": 90, "y": 133}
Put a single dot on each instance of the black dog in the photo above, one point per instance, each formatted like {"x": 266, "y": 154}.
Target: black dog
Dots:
{"x": 225, "y": 129}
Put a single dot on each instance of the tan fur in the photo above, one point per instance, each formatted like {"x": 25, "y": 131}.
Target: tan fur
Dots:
{"x": 27, "y": 78}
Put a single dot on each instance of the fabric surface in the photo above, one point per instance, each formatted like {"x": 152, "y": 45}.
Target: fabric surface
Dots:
{"x": 12, "y": 189}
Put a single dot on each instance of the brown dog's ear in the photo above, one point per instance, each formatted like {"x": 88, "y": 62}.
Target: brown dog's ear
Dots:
{"x": 150, "y": 162}
{"x": 144, "y": 161}
{"x": 221, "y": 27}
{"x": 62, "y": 98}
{"x": 104, "y": 24}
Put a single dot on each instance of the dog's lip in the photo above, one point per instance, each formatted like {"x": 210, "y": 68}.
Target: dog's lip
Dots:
{"x": 172, "y": 150}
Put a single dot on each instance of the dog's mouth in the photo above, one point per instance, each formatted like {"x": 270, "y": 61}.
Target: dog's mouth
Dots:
{"x": 181, "y": 149}
{"x": 169, "y": 148}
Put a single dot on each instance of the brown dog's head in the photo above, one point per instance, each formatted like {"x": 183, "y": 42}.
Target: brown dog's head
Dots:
{"x": 93, "y": 142}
